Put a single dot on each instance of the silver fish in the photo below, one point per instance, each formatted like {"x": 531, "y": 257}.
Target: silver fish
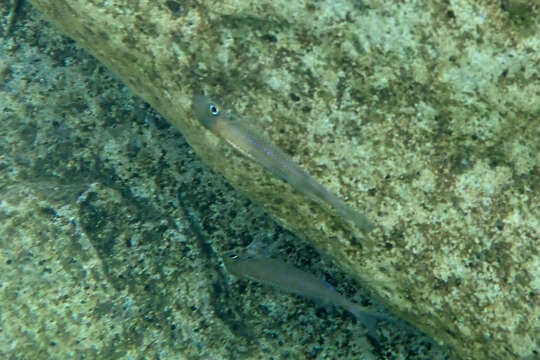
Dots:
{"x": 293, "y": 280}
{"x": 252, "y": 144}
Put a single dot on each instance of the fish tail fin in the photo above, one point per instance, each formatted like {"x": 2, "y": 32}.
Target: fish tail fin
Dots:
{"x": 368, "y": 319}
{"x": 359, "y": 219}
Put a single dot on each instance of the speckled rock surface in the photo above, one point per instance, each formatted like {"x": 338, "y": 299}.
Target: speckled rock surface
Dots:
{"x": 425, "y": 118}
{"x": 111, "y": 232}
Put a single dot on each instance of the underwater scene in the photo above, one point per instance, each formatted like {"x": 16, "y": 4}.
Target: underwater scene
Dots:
{"x": 238, "y": 179}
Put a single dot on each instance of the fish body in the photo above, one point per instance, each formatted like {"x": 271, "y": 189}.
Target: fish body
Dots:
{"x": 290, "y": 279}
{"x": 254, "y": 145}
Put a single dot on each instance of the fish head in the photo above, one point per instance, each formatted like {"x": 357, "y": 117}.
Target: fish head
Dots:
{"x": 207, "y": 111}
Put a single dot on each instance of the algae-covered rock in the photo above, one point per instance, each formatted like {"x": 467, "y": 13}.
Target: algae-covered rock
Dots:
{"x": 112, "y": 232}
{"x": 426, "y": 118}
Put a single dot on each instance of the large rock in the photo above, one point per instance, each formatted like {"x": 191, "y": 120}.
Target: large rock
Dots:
{"x": 112, "y": 231}
{"x": 424, "y": 118}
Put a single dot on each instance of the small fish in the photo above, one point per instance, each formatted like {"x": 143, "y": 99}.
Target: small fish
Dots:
{"x": 293, "y": 280}
{"x": 252, "y": 144}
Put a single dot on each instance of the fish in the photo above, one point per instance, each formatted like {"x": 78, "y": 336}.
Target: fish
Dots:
{"x": 290, "y": 279}
{"x": 251, "y": 143}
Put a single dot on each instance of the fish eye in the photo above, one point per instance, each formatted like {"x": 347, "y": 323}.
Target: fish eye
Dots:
{"x": 213, "y": 109}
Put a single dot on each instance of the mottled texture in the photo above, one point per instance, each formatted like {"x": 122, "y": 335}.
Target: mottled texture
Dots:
{"x": 426, "y": 115}
{"x": 111, "y": 232}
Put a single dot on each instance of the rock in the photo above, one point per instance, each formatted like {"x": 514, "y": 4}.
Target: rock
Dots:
{"x": 427, "y": 120}
{"x": 112, "y": 231}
